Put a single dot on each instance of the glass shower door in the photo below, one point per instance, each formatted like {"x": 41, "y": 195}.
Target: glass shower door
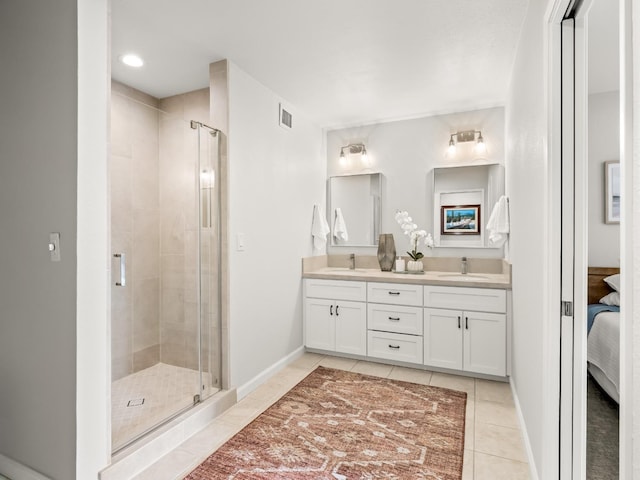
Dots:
{"x": 209, "y": 254}
{"x": 165, "y": 265}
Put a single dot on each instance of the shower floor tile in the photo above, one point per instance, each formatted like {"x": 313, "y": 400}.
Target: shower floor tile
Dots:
{"x": 144, "y": 399}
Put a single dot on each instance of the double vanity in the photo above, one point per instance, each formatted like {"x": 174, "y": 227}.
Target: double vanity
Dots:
{"x": 441, "y": 320}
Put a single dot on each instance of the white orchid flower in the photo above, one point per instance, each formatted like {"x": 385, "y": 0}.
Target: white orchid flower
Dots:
{"x": 428, "y": 241}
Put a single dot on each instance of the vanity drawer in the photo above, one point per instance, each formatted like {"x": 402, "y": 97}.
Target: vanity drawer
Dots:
{"x": 464, "y": 298}
{"x": 395, "y": 346}
{"x": 394, "y": 293}
{"x": 395, "y": 318}
{"x": 335, "y": 289}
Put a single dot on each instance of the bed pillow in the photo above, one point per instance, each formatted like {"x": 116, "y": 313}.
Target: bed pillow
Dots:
{"x": 612, "y": 299}
{"x": 613, "y": 281}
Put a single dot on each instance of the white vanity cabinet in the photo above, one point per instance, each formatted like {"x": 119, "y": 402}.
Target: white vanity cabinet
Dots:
{"x": 466, "y": 329}
{"x": 335, "y": 316}
{"x": 394, "y": 322}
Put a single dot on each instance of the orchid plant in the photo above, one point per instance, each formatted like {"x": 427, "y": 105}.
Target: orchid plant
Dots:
{"x": 411, "y": 230}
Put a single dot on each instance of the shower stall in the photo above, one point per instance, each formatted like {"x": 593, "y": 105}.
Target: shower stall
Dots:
{"x": 165, "y": 241}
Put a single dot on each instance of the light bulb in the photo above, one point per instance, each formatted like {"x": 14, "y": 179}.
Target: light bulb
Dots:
{"x": 364, "y": 158}
{"x": 451, "y": 151}
{"x": 480, "y": 147}
{"x": 132, "y": 60}
{"x": 342, "y": 159}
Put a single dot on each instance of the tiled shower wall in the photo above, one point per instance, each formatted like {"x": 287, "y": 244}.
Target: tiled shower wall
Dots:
{"x": 179, "y": 223}
{"x": 154, "y": 221}
{"x": 135, "y": 230}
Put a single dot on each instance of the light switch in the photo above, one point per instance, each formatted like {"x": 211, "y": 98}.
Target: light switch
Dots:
{"x": 54, "y": 246}
{"x": 240, "y": 242}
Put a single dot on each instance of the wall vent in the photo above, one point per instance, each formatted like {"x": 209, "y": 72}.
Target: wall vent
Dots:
{"x": 285, "y": 119}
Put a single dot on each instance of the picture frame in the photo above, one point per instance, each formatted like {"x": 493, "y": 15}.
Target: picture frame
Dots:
{"x": 612, "y": 192}
{"x": 460, "y": 219}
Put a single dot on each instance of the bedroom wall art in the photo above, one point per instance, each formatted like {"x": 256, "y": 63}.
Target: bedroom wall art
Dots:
{"x": 612, "y": 191}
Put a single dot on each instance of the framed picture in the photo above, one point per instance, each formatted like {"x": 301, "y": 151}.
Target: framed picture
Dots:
{"x": 612, "y": 192}
{"x": 460, "y": 220}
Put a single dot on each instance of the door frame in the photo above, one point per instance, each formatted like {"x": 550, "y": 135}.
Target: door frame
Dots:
{"x": 567, "y": 248}
{"x": 573, "y": 363}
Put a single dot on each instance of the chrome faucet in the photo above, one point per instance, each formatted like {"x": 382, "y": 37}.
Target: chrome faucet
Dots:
{"x": 464, "y": 268}
{"x": 352, "y": 259}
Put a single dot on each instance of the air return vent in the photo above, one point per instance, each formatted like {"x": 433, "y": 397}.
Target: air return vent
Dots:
{"x": 285, "y": 119}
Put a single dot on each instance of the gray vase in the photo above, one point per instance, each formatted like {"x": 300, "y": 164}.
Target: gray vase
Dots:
{"x": 386, "y": 251}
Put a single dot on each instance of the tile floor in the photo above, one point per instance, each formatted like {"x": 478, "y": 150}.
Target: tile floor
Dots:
{"x": 493, "y": 441}
{"x": 166, "y": 389}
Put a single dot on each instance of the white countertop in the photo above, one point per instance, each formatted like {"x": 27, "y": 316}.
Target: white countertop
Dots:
{"x": 456, "y": 279}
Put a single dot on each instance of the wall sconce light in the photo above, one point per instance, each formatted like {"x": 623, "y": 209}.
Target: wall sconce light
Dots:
{"x": 480, "y": 149}
{"x": 354, "y": 148}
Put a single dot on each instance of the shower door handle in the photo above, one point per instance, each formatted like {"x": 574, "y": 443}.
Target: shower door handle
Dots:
{"x": 123, "y": 272}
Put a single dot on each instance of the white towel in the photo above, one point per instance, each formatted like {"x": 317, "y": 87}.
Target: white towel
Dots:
{"x": 319, "y": 228}
{"x": 498, "y": 224}
{"x": 339, "y": 227}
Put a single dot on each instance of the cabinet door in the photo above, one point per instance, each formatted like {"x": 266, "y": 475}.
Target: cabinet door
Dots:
{"x": 485, "y": 343}
{"x": 350, "y": 327}
{"x": 443, "y": 338}
{"x": 320, "y": 327}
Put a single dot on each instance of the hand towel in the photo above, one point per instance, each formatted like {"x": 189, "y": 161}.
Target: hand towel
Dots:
{"x": 340, "y": 227}
{"x": 498, "y": 224}
{"x": 319, "y": 228}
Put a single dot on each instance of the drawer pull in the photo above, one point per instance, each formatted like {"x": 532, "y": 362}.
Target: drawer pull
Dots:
{"x": 337, "y": 310}
{"x": 394, "y": 319}
{"x": 395, "y": 347}
{"x": 458, "y": 321}
{"x": 466, "y": 323}
{"x": 394, "y": 293}
{"x": 331, "y": 310}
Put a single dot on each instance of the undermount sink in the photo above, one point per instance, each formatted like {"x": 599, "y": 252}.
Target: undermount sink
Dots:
{"x": 462, "y": 276}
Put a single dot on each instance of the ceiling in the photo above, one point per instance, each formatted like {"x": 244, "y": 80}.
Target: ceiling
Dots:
{"x": 345, "y": 62}
{"x": 342, "y": 62}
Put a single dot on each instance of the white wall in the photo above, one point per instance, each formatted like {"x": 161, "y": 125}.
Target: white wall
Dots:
{"x": 406, "y": 152}
{"x": 527, "y": 179}
{"x": 38, "y": 138}
{"x": 275, "y": 177}
{"x": 604, "y": 145}
{"x": 93, "y": 402}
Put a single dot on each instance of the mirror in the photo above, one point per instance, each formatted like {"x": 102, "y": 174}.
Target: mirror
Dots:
{"x": 354, "y": 209}
{"x": 463, "y": 198}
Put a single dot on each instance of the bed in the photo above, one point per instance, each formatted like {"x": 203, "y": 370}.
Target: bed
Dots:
{"x": 603, "y": 326}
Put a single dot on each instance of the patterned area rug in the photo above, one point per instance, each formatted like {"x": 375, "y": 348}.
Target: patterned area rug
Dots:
{"x": 342, "y": 425}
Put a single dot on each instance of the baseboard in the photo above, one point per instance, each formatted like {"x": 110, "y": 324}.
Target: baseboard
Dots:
{"x": 17, "y": 471}
{"x": 533, "y": 472}
{"x": 266, "y": 374}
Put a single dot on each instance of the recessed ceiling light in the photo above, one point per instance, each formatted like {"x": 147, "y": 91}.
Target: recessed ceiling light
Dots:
{"x": 132, "y": 60}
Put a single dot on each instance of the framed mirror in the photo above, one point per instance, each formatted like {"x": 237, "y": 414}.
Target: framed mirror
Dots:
{"x": 354, "y": 209}
{"x": 463, "y": 198}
